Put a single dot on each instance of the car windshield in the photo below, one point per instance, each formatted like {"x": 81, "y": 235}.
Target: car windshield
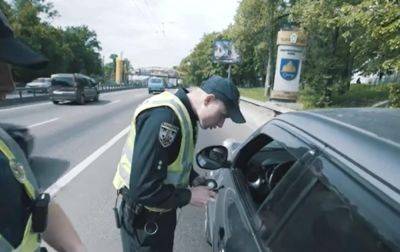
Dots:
{"x": 66, "y": 81}
{"x": 156, "y": 81}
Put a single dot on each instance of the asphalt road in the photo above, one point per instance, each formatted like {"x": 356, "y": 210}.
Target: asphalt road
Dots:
{"x": 76, "y": 152}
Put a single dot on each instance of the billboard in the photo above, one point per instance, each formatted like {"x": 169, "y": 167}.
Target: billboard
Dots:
{"x": 224, "y": 52}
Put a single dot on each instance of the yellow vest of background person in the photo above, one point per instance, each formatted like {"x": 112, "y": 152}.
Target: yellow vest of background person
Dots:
{"x": 22, "y": 173}
{"x": 179, "y": 171}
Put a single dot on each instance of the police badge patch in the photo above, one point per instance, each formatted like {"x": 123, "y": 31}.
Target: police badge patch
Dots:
{"x": 167, "y": 134}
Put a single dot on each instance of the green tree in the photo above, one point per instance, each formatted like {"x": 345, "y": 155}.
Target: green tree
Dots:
{"x": 373, "y": 33}
{"x": 198, "y": 65}
{"x": 329, "y": 62}
{"x": 85, "y": 47}
{"x": 75, "y": 49}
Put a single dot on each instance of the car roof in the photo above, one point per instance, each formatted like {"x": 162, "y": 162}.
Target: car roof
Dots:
{"x": 369, "y": 137}
{"x": 62, "y": 75}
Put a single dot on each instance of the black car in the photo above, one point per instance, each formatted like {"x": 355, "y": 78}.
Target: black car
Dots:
{"x": 73, "y": 87}
{"x": 325, "y": 180}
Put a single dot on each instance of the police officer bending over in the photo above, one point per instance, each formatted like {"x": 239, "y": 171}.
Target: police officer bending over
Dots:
{"x": 25, "y": 214}
{"x": 155, "y": 169}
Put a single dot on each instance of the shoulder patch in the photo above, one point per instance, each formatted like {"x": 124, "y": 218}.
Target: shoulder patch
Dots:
{"x": 167, "y": 134}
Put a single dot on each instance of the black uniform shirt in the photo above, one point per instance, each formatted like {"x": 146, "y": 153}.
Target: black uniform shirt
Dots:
{"x": 14, "y": 204}
{"x": 151, "y": 159}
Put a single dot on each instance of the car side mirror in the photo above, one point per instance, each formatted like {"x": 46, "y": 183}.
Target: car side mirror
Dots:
{"x": 212, "y": 157}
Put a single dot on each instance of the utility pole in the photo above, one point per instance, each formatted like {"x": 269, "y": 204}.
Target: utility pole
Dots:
{"x": 270, "y": 32}
{"x": 229, "y": 71}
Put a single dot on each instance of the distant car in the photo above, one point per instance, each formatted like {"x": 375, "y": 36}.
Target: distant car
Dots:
{"x": 73, "y": 87}
{"x": 21, "y": 136}
{"x": 40, "y": 85}
{"x": 155, "y": 85}
{"x": 325, "y": 180}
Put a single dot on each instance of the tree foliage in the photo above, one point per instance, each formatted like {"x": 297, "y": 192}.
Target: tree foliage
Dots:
{"x": 73, "y": 49}
{"x": 344, "y": 37}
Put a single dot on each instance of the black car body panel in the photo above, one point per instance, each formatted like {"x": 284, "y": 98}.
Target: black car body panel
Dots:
{"x": 325, "y": 180}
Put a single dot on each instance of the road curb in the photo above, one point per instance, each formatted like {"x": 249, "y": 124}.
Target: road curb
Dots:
{"x": 278, "y": 108}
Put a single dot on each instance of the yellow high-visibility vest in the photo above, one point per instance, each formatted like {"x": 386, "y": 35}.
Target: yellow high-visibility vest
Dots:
{"x": 22, "y": 173}
{"x": 179, "y": 171}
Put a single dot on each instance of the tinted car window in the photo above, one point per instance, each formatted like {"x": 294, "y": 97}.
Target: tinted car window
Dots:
{"x": 63, "y": 81}
{"x": 265, "y": 169}
{"x": 82, "y": 81}
{"x": 330, "y": 218}
{"x": 158, "y": 81}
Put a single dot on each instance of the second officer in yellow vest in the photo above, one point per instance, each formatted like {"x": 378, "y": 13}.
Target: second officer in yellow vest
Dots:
{"x": 155, "y": 170}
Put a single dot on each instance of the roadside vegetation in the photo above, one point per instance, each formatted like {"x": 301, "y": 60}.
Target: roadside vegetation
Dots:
{"x": 256, "y": 93}
{"x": 343, "y": 38}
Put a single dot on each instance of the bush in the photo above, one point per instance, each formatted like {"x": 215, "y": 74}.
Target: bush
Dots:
{"x": 309, "y": 97}
{"x": 361, "y": 96}
{"x": 394, "y": 95}
{"x": 357, "y": 96}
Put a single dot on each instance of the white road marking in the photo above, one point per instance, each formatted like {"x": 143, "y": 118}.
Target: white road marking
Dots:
{"x": 64, "y": 180}
{"x": 22, "y": 107}
{"x": 115, "y": 102}
{"x": 41, "y": 123}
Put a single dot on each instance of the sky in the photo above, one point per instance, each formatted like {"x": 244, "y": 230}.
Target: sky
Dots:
{"x": 147, "y": 32}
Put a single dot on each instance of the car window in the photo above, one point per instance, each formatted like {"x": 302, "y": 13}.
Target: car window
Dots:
{"x": 263, "y": 161}
{"x": 66, "y": 81}
{"x": 82, "y": 81}
{"x": 265, "y": 169}
{"x": 156, "y": 81}
{"x": 336, "y": 217}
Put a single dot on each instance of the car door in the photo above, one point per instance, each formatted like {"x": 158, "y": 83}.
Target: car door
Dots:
{"x": 235, "y": 223}
{"x": 335, "y": 209}
{"x": 87, "y": 88}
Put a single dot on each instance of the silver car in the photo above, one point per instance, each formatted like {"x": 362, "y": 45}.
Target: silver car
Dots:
{"x": 39, "y": 85}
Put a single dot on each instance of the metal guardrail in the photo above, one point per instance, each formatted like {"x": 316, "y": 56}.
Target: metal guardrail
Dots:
{"x": 23, "y": 94}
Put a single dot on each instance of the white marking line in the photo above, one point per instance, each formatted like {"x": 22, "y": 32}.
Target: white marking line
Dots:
{"x": 115, "y": 102}
{"x": 41, "y": 123}
{"x": 64, "y": 180}
{"x": 22, "y": 107}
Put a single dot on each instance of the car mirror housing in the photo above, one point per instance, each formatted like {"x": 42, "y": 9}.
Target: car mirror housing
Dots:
{"x": 212, "y": 157}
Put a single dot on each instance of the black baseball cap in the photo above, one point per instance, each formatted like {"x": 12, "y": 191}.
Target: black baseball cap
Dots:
{"x": 224, "y": 90}
{"x": 14, "y": 52}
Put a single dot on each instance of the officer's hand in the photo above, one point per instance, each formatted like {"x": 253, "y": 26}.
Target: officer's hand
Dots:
{"x": 201, "y": 195}
{"x": 199, "y": 180}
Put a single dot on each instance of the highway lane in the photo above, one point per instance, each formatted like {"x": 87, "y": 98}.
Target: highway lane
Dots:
{"x": 66, "y": 134}
{"x": 80, "y": 146}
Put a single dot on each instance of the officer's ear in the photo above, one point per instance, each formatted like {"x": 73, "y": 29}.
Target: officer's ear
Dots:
{"x": 208, "y": 98}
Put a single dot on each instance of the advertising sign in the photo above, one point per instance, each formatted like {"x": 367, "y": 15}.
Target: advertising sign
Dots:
{"x": 224, "y": 52}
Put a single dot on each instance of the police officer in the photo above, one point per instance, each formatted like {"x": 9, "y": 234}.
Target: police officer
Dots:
{"x": 155, "y": 170}
{"x": 25, "y": 214}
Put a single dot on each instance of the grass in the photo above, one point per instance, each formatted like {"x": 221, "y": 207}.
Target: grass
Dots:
{"x": 357, "y": 96}
{"x": 256, "y": 93}
{"x": 361, "y": 96}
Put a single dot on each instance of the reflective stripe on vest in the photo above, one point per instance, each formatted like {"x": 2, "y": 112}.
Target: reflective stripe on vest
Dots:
{"x": 30, "y": 241}
{"x": 179, "y": 171}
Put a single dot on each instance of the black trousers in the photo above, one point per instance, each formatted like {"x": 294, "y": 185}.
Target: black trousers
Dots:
{"x": 137, "y": 239}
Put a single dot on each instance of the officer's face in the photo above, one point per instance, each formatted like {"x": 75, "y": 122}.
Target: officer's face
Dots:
{"x": 212, "y": 113}
{"x": 6, "y": 82}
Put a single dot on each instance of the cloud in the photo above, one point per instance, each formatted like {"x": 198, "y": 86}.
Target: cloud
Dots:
{"x": 148, "y": 32}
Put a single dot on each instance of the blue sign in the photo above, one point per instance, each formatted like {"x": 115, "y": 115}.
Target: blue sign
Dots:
{"x": 289, "y": 68}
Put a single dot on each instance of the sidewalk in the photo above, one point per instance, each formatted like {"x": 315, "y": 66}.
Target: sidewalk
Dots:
{"x": 279, "y": 107}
